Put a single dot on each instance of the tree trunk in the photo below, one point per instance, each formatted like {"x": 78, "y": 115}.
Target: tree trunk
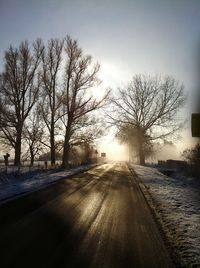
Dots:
{"x": 66, "y": 149}
{"x": 141, "y": 154}
{"x": 17, "y": 154}
{"x": 65, "y": 159}
{"x": 32, "y": 156}
{"x": 141, "y": 148}
{"x": 18, "y": 147}
{"x": 32, "y": 159}
{"x": 53, "y": 151}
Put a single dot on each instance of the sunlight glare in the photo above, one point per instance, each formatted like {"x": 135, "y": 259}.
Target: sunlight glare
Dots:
{"x": 114, "y": 151}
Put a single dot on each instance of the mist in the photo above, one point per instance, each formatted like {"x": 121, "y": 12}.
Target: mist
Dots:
{"x": 168, "y": 150}
{"x": 115, "y": 151}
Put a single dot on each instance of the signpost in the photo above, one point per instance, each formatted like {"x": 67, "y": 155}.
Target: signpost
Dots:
{"x": 195, "y": 125}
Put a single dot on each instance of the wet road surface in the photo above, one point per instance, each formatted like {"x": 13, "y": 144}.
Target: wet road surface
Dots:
{"x": 97, "y": 219}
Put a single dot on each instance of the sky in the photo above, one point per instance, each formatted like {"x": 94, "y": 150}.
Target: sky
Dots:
{"x": 126, "y": 37}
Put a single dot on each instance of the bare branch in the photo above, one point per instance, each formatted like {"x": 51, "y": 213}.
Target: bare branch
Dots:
{"x": 146, "y": 110}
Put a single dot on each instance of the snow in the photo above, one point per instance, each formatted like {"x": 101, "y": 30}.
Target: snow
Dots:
{"x": 12, "y": 186}
{"x": 176, "y": 203}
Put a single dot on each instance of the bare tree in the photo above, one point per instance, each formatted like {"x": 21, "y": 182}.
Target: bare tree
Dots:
{"x": 82, "y": 154}
{"x": 147, "y": 109}
{"x": 34, "y": 135}
{"x": 192, "y": 155}
{"x": 89, "y": 153}
{"x": 129, "y": 135}
{"x": 80, "y": 77}
{"x": 51, "y": 95}
{"x": 19, "y": 86}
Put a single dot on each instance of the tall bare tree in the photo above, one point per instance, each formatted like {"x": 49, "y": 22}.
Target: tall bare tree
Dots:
{"x": 80, "y": 77}
{"x": 51, "y": 95}
{"x": 147, "y": 109}
{"x": 19, "y": 86}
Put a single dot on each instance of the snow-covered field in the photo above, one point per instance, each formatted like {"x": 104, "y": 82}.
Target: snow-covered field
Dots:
{"x": 176, "y": 202}
{"x": 14, "y": 186}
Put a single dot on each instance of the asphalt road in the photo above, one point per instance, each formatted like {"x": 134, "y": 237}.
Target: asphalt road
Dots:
{"x": 97, "y": 219}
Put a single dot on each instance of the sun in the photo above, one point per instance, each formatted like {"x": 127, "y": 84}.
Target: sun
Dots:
{"x": 98, "y": 93}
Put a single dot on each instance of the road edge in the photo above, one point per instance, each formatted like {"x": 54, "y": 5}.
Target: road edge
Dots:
{"x": 157, "y": 217}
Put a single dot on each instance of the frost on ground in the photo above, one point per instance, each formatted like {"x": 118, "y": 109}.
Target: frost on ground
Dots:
{"x": 12, "y": 186}
{"x": 176, "y": 201}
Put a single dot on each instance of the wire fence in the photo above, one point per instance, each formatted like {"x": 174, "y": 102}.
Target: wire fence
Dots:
{"x": 16, "y": 169}
{"x": 15, "y": 173}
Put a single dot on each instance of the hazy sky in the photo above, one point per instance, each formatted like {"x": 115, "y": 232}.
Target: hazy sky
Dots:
{"x": 126, "y": 36}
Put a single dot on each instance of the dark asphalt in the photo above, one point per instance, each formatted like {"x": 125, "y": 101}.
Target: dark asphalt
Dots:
{"x": 97, "y": 219}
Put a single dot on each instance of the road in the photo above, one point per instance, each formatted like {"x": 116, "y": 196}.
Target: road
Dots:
{"x": 96, "y": 219}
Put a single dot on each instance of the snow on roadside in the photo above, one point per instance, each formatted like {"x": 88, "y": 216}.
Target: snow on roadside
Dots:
{"x": 177, "y": 203}
{"x": 21, "y": 186}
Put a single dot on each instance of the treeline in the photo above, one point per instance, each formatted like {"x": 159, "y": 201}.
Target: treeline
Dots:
{"x": 46, "y": 99}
